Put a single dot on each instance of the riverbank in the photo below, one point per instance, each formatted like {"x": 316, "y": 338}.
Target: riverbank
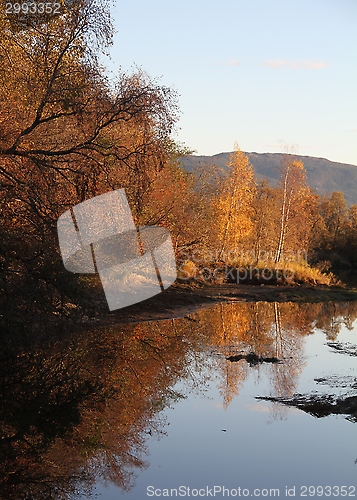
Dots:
{"x": 182, "y": 299}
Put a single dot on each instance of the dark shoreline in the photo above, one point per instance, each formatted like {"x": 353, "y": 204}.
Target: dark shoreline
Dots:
{"x": 182, "y": 299}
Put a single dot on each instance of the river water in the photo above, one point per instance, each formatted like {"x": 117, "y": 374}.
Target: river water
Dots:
{"x": 238, "y": 399}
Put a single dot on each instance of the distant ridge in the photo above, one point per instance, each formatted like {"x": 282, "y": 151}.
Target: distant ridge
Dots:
{"x": 324, "y": 176}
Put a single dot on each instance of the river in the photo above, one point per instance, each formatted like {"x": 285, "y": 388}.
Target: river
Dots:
{"x": 236, "y": 399}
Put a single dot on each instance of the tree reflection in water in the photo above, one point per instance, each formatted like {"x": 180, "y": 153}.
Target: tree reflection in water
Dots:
{"x": 81, "y": 409}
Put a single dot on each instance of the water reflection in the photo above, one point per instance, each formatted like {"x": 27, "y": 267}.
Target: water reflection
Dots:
{"x": 81, "y": 409}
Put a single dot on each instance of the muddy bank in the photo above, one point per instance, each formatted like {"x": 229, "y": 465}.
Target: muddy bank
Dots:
{"x": 177, "y": 301}
{"x": 180, "y": 300}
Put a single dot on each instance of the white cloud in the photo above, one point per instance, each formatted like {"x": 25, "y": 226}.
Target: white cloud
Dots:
{"x": 290, "y": 64}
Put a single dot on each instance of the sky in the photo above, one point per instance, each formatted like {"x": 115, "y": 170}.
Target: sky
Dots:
{"x": 271, "y": 75}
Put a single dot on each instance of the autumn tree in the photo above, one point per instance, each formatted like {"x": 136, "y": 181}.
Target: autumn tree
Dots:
{"x": 66, "y": 134}
{"x": 233, "y": 208}
{"x": 335, "y": 241}
{"x": 175, "y": 201}
{"x": 352, "y": 234}
{"x": 266, "y": 213}
{"x": 295, "y": 206}
{"x": 334, "y": 212}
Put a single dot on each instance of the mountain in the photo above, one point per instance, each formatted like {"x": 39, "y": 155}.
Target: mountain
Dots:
{"x": 324, "y": 176}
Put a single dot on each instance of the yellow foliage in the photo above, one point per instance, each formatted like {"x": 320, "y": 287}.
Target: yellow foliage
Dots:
{"x": 234, "y": 205}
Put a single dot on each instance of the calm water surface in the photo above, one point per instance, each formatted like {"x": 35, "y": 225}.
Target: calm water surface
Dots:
{"x": 164, "y": 405}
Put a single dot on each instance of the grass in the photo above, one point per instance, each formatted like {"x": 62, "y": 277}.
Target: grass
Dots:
{"x": 264, "y": 272}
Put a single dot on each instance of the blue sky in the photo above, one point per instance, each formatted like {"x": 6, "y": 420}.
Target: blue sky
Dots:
{"x": 265, "y": 73}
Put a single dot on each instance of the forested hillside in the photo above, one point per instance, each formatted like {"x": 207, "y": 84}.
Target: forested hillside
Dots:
{"x": 323, "y": 176}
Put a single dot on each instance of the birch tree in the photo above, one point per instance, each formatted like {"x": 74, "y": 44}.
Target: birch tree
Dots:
{"x": 295, "y": 195}
{"x": 234, "y": 204}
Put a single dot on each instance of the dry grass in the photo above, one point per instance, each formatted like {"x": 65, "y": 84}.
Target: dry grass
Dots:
{"x": 264, "y": 272}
